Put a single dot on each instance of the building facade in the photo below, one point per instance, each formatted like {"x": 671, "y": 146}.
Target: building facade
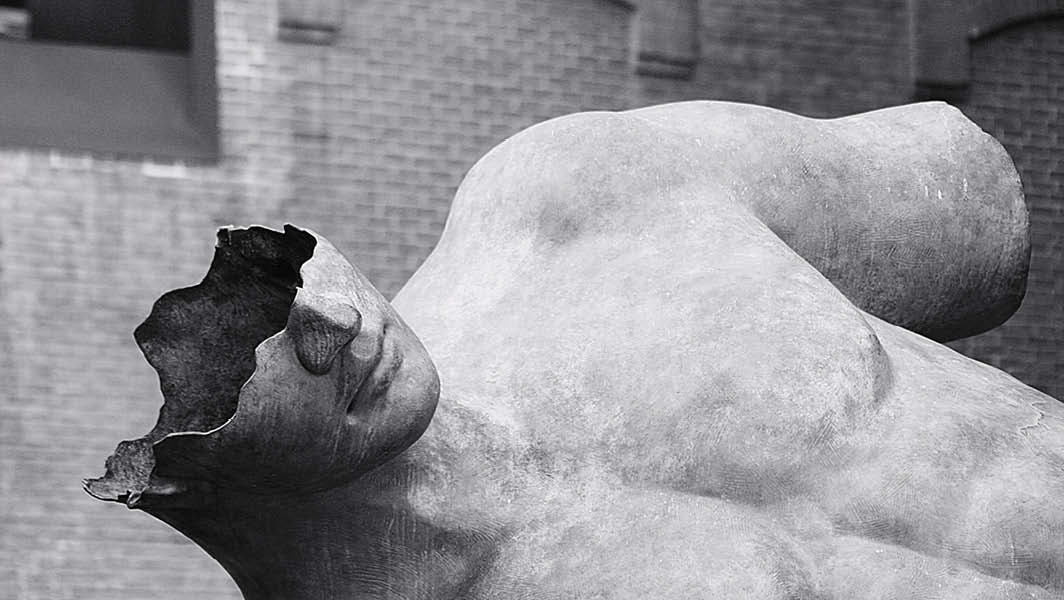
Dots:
{"x": 358, "y": 119}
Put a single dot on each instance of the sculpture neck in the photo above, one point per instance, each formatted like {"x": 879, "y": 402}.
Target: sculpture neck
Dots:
{"x": 379, "y": 536}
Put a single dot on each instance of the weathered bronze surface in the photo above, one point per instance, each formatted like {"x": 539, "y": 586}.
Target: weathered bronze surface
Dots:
{"x": 645, "y": 381}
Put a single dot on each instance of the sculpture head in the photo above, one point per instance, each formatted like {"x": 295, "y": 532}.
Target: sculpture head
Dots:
{"x": 283, "y": 370}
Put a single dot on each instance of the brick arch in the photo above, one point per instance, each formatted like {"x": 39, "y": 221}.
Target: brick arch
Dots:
{"x": 942, "y": 31}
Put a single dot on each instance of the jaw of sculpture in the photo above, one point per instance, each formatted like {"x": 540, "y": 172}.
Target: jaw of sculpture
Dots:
{"x": 666, "y": 368}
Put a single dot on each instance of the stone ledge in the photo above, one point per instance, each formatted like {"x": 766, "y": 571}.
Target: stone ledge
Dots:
{"x": 309, "y": 21}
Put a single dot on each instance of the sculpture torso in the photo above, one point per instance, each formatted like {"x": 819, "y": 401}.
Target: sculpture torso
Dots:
{"x": 705, "y": 401}
{"x": 645, "y": 392}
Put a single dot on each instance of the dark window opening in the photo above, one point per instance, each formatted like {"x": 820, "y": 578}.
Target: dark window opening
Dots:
{"x": 157, "y": 24}
{"x": 125, "y": 77}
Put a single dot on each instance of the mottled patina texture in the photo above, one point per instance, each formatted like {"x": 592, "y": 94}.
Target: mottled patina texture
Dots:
{"x": 644, "y": 384}
{"x": 913, "y": 212}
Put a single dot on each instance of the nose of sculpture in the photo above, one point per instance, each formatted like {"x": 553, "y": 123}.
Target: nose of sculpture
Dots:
{"x": 284, "y": 370}
{"x": 320, "y": 326}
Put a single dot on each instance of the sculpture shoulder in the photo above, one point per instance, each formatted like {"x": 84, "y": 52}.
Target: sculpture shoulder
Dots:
{"x": 883, "y": 204}
{"x": 574, "y": 176}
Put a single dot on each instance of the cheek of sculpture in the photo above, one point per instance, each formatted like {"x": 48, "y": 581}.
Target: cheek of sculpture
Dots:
{"x": 349, "y": 419}
{"x": 393, "y": 405}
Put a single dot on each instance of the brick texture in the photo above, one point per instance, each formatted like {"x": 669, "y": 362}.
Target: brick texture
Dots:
{"x": 365, "y": 140}
{"x": 819, "y": 58}
{"x": 1017, "y": 95}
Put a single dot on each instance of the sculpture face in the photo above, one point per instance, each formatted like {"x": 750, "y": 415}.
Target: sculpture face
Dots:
{"x": 653, "y": 384}
{"x": 283, "y": 370}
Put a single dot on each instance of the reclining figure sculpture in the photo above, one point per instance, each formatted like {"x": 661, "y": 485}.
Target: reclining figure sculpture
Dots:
{"x": 663, "y": 365}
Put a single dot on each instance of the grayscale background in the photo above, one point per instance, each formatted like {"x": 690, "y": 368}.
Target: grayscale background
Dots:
{"x": 131, "y": 129}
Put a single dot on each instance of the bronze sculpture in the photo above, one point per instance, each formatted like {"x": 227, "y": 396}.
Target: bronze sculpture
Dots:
{"x": 640, "y": 386}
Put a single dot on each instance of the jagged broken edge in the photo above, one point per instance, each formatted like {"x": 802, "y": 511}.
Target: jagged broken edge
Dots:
{"x": 130, "y": 476}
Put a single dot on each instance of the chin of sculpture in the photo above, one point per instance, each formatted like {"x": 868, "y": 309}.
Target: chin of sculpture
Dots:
{"x": 685, "y": 351}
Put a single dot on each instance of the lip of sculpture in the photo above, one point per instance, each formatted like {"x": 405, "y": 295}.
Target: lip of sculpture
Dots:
{"x": 328, "y": 343}
{"x": 378, "y": 373}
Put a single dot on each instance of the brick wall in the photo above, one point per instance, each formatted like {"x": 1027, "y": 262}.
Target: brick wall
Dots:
{"x": 1017, "y": 94}
{"x": 363, "y": 140}
{"x": 820, "y": 58}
